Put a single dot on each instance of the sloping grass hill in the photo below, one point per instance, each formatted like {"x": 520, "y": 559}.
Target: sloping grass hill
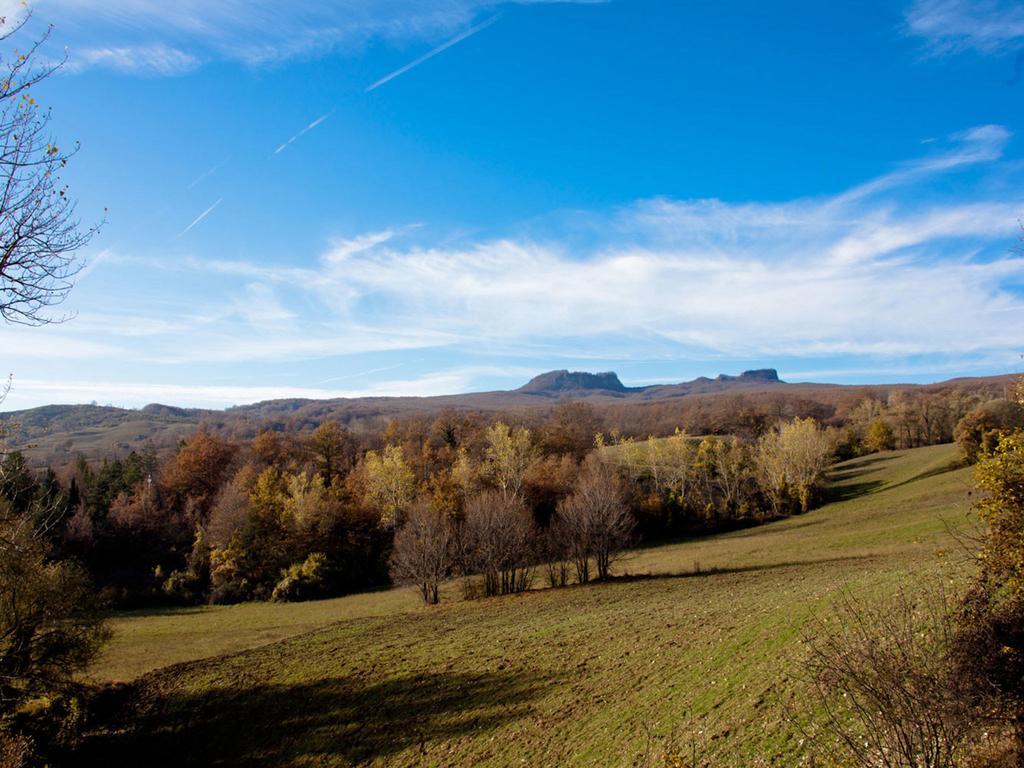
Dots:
{"x": 701, "y": 640}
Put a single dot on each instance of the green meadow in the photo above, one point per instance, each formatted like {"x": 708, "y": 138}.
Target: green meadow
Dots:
{"x": 697, "y": 641}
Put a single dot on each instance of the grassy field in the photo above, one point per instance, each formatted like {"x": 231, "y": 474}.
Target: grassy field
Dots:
{"x": 701, "y": 640}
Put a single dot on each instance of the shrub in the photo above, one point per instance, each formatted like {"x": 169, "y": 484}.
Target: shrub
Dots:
{"x": 791, "y": 462}
{"x": 191, "y": 584}
{"x": 302, "y": 581}
{"x": 15, "y": 749}
{"x": 886, "y": 682}
{"x": 51, "y": 628}
{"x": 990, "y": 640}
{"x": 51, "y": 625}
{"x": 227, "y": 582}
{"x": 979, "y": 431}
{"x": 879, "y": 436}
{"x": 556, "y": 555}
{"x": 184, "y": 587}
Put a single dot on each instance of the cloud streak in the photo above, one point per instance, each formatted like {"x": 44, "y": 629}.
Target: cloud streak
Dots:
{"x": 870, "y": 271}
{"x": 201, "y": 216}
{"x": 303, "y": 132}
{"x": 157, "y": 59}
{"x": 205, "y": 175}
{"x": 955, "y": 26}
{"x": 189, "y": 33}
{"x": 432, "y": 53}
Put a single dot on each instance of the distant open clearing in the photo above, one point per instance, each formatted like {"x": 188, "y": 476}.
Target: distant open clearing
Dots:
{"x": 702, "y": 641}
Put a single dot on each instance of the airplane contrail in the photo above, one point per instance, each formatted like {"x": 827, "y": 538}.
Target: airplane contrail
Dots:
{"x": 430, "y": 54}
{"x": 303, "y": 132}
{"x": 357, "y": 375}
{"x": 400, "y": 71}
{"x": 201, "y": 216}
{"x": 206, "y": 174}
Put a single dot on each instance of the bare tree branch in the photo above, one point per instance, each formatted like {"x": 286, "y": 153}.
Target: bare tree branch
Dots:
{"x": 40, "y": 233}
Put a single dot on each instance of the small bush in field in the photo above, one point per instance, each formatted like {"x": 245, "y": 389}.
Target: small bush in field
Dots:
{"x": 879, "y": 436}
{"x": 886, "y": 682}
{"x": 302, "y": 581}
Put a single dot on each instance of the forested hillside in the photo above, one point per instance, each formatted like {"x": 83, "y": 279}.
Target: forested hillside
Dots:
{"x": 722, "y": 405}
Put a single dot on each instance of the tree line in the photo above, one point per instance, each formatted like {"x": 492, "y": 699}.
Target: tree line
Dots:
{"x": 297, "y": 516}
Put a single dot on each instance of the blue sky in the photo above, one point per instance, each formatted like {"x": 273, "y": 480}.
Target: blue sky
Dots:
{"x": 662, "y": 189}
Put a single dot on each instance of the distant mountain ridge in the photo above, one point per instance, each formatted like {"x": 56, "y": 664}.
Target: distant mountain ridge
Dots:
{"x": 565, "y": 382}
{"x": 758, "y": 374}
{"x": 55, "y": 432}
{"x": 558, "y": 382}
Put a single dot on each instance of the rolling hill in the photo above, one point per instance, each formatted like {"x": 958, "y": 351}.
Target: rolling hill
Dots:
{"x": 699, "y": 639}
{"x": 53, "y": 433}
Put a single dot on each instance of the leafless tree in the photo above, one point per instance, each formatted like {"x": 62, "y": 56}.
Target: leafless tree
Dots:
{"x": 423, "y": 551}
{"x": 497, "y": 540}
{"x": 556, "y": 553}
{"x": 40, "y": 233}
{"x": 595, "y": 521}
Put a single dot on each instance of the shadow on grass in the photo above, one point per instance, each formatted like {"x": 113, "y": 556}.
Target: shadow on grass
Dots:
{"x": 758, "y": 529}
{"x": 841, "y": 489}
{"x": 846, "y": 473}
{"x": 330, "y": 721}
{"x": 849, "y": 491}
{"x": 726, "y": 570}
{"x": 953, "y": 465}
{"x": 162, "y": 610}
{"x": 867, "y": 461}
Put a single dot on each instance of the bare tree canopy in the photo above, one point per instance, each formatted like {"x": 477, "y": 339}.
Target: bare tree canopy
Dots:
{"x": 497, "y": 542}
{"x": 40, "y": 234}
{"x": 594, "y": 521}
{"x": 422, "y": 554}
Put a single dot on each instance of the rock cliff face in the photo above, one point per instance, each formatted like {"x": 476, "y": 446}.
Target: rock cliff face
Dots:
{"x": 761, "y": 374}
{"x": 561, "y": 383}
{"x": 564, "y": 382}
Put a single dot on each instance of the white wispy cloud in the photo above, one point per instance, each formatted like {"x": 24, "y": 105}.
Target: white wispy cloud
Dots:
{"x": 872, "y": 270}
{"x": 261, "y": 308}
{"x": 953, "y": 26}
{"x": 359, "y": 374}
{"x": 344, "y": 249}
{"x": 156, "y": 59}
{"x": 251, "y": 31}
{"x": 57, "y": 344}
{"x": 432, "y": 53}
{"x": 980, "y": 144}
